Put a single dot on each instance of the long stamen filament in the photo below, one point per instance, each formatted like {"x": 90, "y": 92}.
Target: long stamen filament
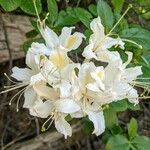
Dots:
{"x": 16, "y": 95}
{"x": 10, "y": 79}
{"x": 133, "y": 42}
{"x": 130, "y": 6}
{"x": 43, "y": 126}
{"x": 14, "y": 88}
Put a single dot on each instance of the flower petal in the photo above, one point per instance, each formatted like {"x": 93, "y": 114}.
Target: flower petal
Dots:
{"x": 65, "y": 89}
{"x": 109, "y": 42}
{"x": 132, "y": 73}
{"x": 50, "y": 37}
{"x": 65, "y": 33}
{"x": 34, "y": 53}
{"x": 30, "y": 97}
{"x": 63, "y": 126}
{"x": 132, "y": 96}
{"x": 74, "y": 41}
{"x": 43, "y": 90}
{"x": 130, "y": 56}
{"x": 97, "y": 29}
{"x": 67, "y": 106}
{"x": 22, "y": 74}
{"x": 37, "y": 78}
{"x": 59, "y": 59}
{"x": 88, "y": 53}
{"x": 93, "y": 87}
{"x": 43, "y": 109}
{"x": 112, "y": 74}
{"x": 107, "y": 56}
{"x": 98, "y": 120}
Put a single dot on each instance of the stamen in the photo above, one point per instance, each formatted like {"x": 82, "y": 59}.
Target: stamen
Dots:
{"x": 19, "y": 98}
{"x": 16, "y": 95}
{"x": 130, "y": 6}
{"x": 43, "y": 126}
{"x": 13, "y": 88}
{"x": 10, "y": 79}
{"x": 130, "y": 41}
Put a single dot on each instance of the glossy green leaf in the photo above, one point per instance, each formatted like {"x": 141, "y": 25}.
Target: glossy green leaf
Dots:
{"x": 132, "y": 129}
{"x": 66, "y": 18}
{"x": 84, "y": 16}
{"x": 28, "y": 6}
{"x": 88, "y": 126}
{"x": 139, "y": 35}
{"x": 131, "y": 106}
{"x": 106, "y": 14}
{"x": 110, "y": 117}
{"x": 120, "y": 105}
{"x": 53, "y": 10}
{"x": 93, "y": 9}
{"x": 31, "y": 34}
{"x": 118, "y": 4}
{"x": 118, "y": 142}
{"x": 10, "y": 5}
{"x": 142, "y": 142}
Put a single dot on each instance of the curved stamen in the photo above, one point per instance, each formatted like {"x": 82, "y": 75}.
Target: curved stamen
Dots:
{"x": 16, "y": 95}
{"x": 43, "y": 126}
{"x": 9, "y": 78}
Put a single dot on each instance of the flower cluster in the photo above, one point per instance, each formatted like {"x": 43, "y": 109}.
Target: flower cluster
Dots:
{"x": 55, "y": 86}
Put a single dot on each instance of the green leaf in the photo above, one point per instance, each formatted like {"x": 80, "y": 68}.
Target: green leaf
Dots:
{"x": 139, "y": 35}
{"x": 132, "y": 106}
{"x": 53, "y": 10}
{"x": 84, "y": 16}
{"x": 66, "y": 18}
{"x": 88, "y": 33}
{"x": 123, "y": 23}
{"x": 106, "y": 14}
{"x": 93, "y": 9}
{"x": 142, "y": 142}
{"x": 118, "y": 4}
{"x": 110, "y": 117}
{"x": 115, "y": 129}
{"x": 28, "y": 6}
{"x": 132, "y": 129}
{"x": 34, "y": 24}
{"x": 118, "y": 142}
{"x": 31, "y": 34}
{"x": 146, "y": 71}
{"x": 120, "y": 105}
{"x": 88, "y": 126}
{"x": 10, "y": 5}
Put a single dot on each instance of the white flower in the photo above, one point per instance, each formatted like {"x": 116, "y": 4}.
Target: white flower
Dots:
{"x": 99, "y": 43}
{"x": 86, "y": 98}
{"x": 59, "y": 46}
{"x": 119, "y": 79}
{"x": 55, "y": 107}
{"x": 26, "y": 75}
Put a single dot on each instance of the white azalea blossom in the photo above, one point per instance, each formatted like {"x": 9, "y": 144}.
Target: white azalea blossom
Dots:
{"x": 99, "y": 43}
{"x": 119, "y": 78}
{"x": 28, "y": 75}
{"x": 55, "y": 87}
